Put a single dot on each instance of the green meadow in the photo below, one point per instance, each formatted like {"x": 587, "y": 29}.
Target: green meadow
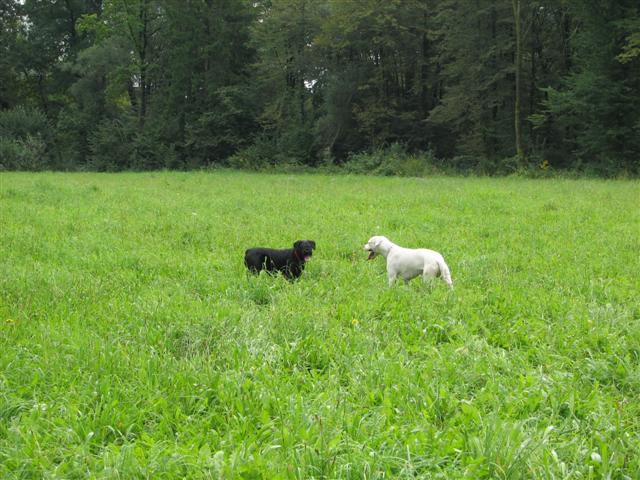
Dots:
{"x": 133, "y": 344}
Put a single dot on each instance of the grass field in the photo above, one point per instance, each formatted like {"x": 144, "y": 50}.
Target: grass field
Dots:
{"x": 133, "y": 344}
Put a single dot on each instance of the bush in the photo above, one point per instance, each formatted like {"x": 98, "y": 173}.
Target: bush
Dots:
{"x": 295, "y": 146}
{"x": 23, "y": 139}
{"x": 111, "y": 146}
{"x": 21, "y": 122}
{"x": 22, "y": 154}
{"x": 151, "y": 153}
{"x": 259, "y": 155}
{"x": 463, "y": 164}
{"x": 73, "y": 127}
{"x": 393, "y": 160}
{"x": 116, "y": 144}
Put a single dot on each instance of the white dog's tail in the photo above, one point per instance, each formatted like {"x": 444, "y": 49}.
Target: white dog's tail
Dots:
{"x": 445, "y": 273}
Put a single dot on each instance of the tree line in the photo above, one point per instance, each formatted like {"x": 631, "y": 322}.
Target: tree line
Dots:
{"x": 491, "y": 85}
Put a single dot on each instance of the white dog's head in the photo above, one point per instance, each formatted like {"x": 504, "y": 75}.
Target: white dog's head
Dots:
{"x": 376, "y": 245}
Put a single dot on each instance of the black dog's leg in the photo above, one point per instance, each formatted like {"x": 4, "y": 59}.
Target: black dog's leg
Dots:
{"x": 292, "y": 271}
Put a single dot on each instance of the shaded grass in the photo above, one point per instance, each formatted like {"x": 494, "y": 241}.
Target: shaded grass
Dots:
{"x": 134, "y": 345}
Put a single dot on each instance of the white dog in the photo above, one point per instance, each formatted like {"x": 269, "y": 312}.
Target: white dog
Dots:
{"x": 408, "y": 262}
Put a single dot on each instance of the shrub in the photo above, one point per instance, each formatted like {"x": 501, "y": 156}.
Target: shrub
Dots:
{"x": 21, "y": 122}
{"x": 259, "y": 155}
{"x": 150, "y": 152}
{"x": 463, "y": 163}
{"x": 23, "y": 139}
{"x": 22, "y": 154}
{"x": 73, "y": 128}
{"x": 116, "y": 144}
{"x": 394, "y": 160}
{"x": 111, "y": 146}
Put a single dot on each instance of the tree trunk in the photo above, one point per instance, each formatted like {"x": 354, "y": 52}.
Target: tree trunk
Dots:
{"x": 536, "y": 51}
{"x": 518, "y": 93}
{"x": 144, "y": 88}
{"x": 302, "y": 63}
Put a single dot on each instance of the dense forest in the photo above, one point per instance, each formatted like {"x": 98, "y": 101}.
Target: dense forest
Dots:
{"x": 486, "y": 85}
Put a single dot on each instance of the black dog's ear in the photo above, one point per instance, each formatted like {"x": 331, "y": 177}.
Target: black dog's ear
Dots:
{"x": 313, "y": 244}
{"x": 297, "y": 244}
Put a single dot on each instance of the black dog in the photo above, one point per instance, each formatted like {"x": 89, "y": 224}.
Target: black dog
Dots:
{"x": 289, "y": 261}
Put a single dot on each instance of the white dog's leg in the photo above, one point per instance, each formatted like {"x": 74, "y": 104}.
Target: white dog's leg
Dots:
{"x": 392, "y": 277}
{"x": 429, "y": 271}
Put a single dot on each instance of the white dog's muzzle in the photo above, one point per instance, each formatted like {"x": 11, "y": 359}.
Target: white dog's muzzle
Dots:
{"x": 372, "y": 253}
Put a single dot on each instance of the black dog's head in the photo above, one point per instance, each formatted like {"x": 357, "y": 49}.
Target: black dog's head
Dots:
{"x": 304, "y": 249}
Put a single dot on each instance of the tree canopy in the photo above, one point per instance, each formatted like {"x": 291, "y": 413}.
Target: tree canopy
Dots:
{"x": 145, "y": 84}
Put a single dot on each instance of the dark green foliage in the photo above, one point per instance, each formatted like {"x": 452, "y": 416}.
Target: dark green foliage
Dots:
{"x": 259, "y": 155}
{"x": 24, "y": 134}
{"x": 394, "y": 160}
{"x": 21, "y": 122}
{"x": 476, "y": 49}
{"x": 110, "y": 146}
{"x": 23, "y": 154}
{"x": 9, "y": 27}
{"x": 597, "y": 107}
{"x": 147, "y": 84}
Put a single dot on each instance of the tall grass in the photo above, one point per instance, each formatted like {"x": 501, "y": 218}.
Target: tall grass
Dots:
{"x": 134, "y": 345}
